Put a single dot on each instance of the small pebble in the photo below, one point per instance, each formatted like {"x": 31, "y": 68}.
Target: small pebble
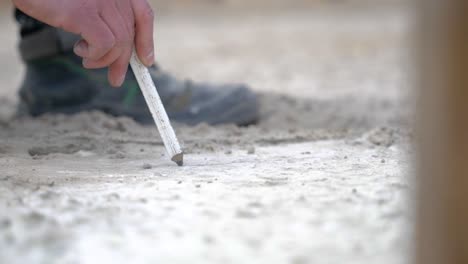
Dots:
{"x": 111, "y": 151}
{"x": 147, "y": 166}
{"x": 209, "y": 239}
{"x": 113, "y": 197}
{"x": 251, "y": 150}
{"x": 5, "y": 223}
{"x": 118, "y": 155}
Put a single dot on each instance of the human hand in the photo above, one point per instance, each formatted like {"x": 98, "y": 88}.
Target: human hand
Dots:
{"x": 109, "y": 30}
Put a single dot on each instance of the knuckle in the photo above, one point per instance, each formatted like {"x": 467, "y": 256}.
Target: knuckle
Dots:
{"x": 125, "y": 38}
{"x": 123, "y": 41}
{"x": 128, "y": 38}
{"x": 107, "y": 43}
{"x": 122, "y": 35}
{"x": 148, "y": 15}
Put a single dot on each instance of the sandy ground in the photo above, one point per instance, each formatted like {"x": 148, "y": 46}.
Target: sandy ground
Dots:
{"x": 323, "y": 178}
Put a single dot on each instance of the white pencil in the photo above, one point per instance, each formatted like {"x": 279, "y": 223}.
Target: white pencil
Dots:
{"x": 157, "y": 110}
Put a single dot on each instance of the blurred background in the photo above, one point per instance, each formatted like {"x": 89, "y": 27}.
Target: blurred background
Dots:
{"x": 342, "y": 61}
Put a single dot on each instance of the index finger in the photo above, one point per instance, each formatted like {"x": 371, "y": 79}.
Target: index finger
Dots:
{"x": 144, "y": 25}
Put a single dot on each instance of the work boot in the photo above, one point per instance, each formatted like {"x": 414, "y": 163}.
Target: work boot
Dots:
{"x": 56, "y": 82}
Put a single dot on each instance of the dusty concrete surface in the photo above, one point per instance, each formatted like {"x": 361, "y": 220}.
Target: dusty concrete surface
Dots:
{"x": 323, "y": 178}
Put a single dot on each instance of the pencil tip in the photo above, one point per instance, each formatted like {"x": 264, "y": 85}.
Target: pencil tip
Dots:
{"x": 179, "y": 159}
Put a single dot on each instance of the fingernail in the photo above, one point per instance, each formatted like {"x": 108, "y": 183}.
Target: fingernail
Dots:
{"x": 149, "y": 61}
{"x": 80, "y": 48}
{"x": 121, "y": 81}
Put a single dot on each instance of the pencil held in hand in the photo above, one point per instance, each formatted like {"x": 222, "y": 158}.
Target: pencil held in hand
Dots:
{"x": 157, "y": 110}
